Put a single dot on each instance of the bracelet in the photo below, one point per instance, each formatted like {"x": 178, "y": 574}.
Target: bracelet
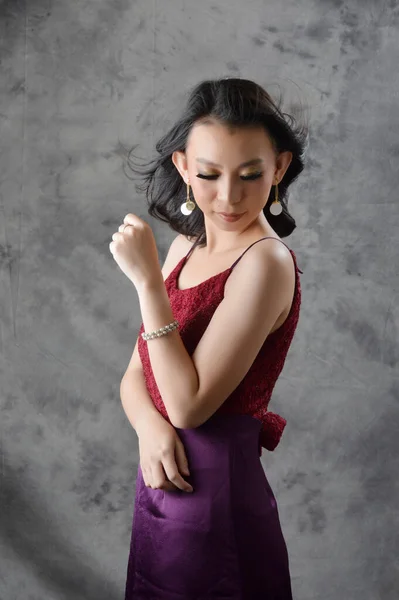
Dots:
{"x": 161, "y": 331}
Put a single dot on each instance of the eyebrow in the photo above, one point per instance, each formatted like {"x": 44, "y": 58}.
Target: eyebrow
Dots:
{"x": 254, "y": 161}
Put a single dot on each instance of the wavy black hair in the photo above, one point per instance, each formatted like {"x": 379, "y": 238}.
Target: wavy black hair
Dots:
{"x": 233, "y": 102}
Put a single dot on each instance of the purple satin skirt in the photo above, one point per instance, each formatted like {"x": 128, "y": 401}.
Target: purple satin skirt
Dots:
{"x": 224, "y": 540}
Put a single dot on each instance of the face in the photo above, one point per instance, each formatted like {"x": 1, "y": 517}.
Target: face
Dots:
{"x": 231, "y": 171}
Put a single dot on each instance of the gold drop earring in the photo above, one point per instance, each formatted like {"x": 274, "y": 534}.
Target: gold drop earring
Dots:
{"x": 188, "y": 206}
{"x": 276, "y": 207}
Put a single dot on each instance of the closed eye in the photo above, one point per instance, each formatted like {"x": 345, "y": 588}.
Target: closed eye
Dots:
{"x": 244, "y": 177}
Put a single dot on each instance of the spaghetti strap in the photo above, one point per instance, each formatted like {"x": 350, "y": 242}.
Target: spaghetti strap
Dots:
{"x": 240, "y": 257}
{"x": 189, "y": 252}
{"x": 265, "y": 238}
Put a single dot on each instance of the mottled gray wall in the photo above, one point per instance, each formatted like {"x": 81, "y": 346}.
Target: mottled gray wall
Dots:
{"x": 77, "y": 78}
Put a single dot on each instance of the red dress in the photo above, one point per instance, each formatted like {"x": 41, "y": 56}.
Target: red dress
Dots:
{"x": 224, "y": 540}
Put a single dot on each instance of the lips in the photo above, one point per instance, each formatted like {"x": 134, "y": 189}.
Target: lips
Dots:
{"x": 231, "y": 214}
{"x": 230, "y": 217}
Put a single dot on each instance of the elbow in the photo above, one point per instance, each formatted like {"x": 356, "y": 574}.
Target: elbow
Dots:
{"x": 182, "y": 420}
{"x": 121, "y": 386}
{"x": 197, "y": 416}
{"x": 181, "y": 417}
{"x": 124, "y": 386}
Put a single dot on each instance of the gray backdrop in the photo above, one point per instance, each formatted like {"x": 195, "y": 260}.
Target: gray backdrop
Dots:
{"x": 79, "y": 78}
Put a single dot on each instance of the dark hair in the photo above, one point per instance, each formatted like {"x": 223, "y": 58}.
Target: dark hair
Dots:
{"x": 233, "y": 102}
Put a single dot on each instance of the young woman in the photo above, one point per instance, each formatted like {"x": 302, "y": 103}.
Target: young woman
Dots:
{"x": 218, "y": 321}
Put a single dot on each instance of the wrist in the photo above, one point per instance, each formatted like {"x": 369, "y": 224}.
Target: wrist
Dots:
{"x": 149, "y": 286}
{"x": 144, "y": 420}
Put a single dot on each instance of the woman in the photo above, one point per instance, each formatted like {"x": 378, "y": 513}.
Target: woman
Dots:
{"x": 197, "y": 392}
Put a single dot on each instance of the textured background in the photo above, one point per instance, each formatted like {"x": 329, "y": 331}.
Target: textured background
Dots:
{"x": 78, "y": 77}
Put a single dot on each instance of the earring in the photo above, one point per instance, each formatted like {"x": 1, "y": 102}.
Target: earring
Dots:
{"x": 276, "y": 207}
{"x": 188, "y": 206}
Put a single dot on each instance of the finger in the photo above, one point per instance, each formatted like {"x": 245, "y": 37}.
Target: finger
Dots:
{"x": 145, "y": 475}
{"x": 160, "y": 480}
{"x": 132, "y": 219}
{"x": 172, "y": 473}
{"x": 147, "y": 482}
{"x": 135, "y": 222}
{"x": 181, "y": 458}
{"x": 168, "y": 486}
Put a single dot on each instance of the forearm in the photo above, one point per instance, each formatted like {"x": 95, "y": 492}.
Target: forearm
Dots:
{"x": 173, "y": 368}
{"x": 136, "y": 401}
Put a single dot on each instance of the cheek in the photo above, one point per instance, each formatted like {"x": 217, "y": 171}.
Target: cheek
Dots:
{"x": 262, "y": 191}
{"x": 204, "y": 190}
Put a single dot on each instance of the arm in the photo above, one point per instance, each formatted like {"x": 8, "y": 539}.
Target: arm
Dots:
{"x": 193, "y": 388}
{"x": 135, "y": 398}
{"x": 163, "y": 459}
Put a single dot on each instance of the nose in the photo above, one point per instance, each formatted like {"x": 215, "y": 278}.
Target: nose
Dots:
{"x": 228, "y": 191}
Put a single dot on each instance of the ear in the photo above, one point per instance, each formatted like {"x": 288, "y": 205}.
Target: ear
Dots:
{"x": 283, "y": 162}
{"x": 179, "y": 159}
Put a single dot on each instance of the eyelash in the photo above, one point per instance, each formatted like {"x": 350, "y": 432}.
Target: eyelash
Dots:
{"x": 245, "y": 178}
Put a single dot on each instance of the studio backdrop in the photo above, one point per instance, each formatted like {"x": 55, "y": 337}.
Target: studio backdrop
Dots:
{"x": 82, "y": 81}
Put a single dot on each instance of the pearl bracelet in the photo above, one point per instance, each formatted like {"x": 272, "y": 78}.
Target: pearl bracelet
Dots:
{"x": 161, "y": 331}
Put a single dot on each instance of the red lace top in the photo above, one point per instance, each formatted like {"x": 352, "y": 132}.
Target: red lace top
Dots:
{"x": 193, "y": 308}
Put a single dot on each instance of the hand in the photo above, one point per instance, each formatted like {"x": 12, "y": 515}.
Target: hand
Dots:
{"x": 162, "y": 456}
{"x": 135, "y": 251}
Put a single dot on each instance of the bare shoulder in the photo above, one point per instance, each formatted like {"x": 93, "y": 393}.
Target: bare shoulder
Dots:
{"x": 277, "y": 254}
{"x": 266, "y": 260}
{"x": 178, "y": 248}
